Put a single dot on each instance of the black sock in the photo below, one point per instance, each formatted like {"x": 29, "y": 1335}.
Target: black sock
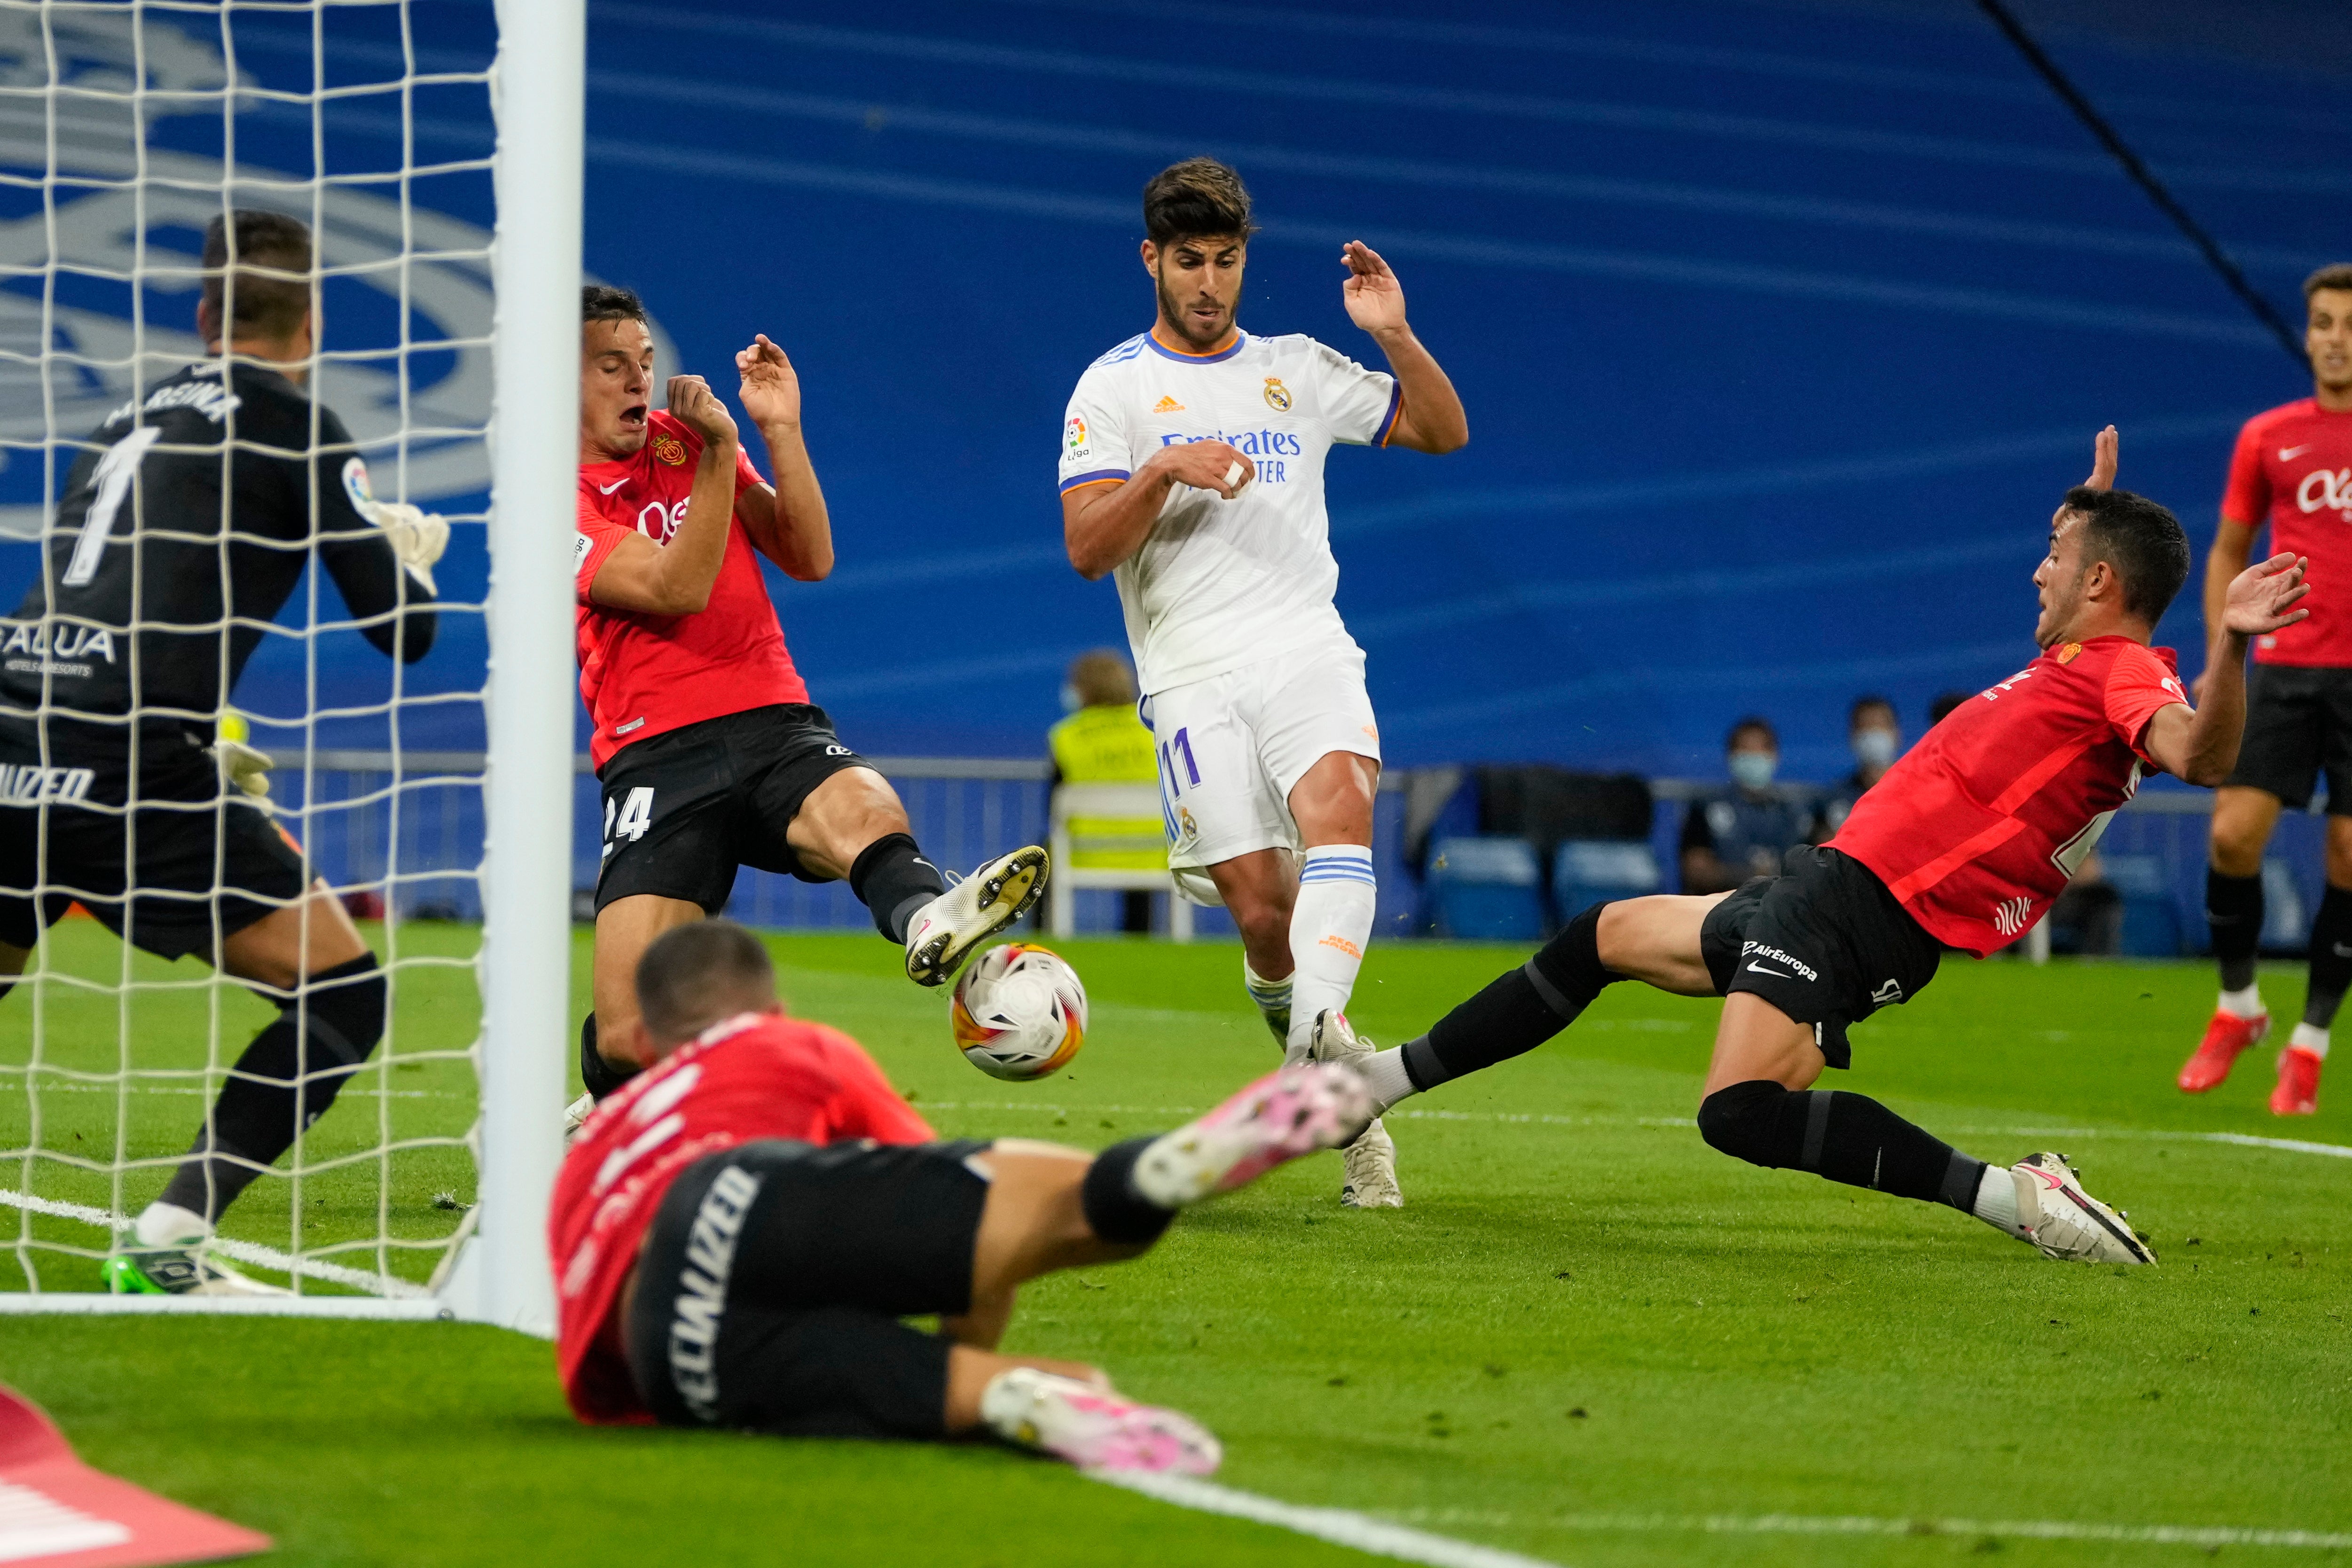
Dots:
{"x": 1848, "y": 1138}
{"x": 893, "y": 880}
{"x": 1114, "y": 1211}
{"x": 2331, "y": 957}
{"x": 599, "y": 1077}
{"x": 2233, "y": 913}
{"x": 284, "y": 1081}
{"x": 1518, "y": 1011}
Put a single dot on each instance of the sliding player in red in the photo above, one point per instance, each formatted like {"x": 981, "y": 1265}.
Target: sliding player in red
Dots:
{"x": 1963, "y": 845}
{"x": 710, "y": 753}
{"x": 738, "y": 1233}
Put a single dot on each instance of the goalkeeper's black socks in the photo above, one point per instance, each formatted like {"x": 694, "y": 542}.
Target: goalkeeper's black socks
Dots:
{"x": 1116, "y": 1209}
{"x": 599, "y": 1077}
{"x": 1513, "y": 1015}
{"x": 893, "y": 880}
{"x": 284, "y": 1082}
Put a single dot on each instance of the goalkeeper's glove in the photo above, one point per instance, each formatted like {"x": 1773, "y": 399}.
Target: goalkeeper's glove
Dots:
{"x": 244, "y": 766}
{"x": 417, "y": 536}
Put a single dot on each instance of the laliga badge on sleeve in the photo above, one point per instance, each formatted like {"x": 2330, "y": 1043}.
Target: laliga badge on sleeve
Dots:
{"x": 56, "y": 1509}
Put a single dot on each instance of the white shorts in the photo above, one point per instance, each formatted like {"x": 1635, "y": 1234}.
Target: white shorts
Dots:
{"x": 1233, "y": 747}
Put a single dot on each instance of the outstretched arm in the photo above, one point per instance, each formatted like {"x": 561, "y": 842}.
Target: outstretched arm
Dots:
{"x": 2201, "y": 746}
{"x": 676, "y": 578}
{"x": 787, "y": 521}
{"x": 1430, "y": 416}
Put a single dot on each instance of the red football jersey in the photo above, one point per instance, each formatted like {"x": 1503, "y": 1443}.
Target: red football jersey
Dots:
{"x": 642, "y": 675}
{"x": 1979, "y": 826}
{"x": 2293, "y": 469}
{"x": 756, "y": 1076}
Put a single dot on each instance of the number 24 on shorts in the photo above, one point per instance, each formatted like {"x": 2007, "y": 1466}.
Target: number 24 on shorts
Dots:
{"x": 636, "y": 815}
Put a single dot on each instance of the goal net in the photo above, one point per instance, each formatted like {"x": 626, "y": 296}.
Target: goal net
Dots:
{"x": 124, "y": 132}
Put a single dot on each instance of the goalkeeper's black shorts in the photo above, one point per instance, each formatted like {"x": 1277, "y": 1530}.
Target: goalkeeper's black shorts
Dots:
{"x": 190, "y": 863}
{"x": 772, "y": 1279}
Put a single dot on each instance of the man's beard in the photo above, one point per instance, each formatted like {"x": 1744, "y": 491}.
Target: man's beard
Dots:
{"x": 1170, "y": 311}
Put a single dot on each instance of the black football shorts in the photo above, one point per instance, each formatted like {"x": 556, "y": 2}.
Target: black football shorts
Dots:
{"x": 2298, "y": 727}
{"x": 772, "y": 1279}
{"x": 1825, "y": 942}
{"x": 684, "y": 809}
{"x": 191, "y": 863}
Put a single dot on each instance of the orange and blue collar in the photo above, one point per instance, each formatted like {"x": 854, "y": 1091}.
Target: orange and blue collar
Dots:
{"x": 1186, "y": 356}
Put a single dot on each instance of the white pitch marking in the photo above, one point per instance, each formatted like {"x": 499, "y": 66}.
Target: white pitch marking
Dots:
{"x": 1343, "y": 1527}
{"x": 1810, "y": 1524}
{"x": 242, "y": 1251}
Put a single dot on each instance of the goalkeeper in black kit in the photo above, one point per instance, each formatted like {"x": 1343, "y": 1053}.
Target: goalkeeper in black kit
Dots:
{"x": 185, "y": 522}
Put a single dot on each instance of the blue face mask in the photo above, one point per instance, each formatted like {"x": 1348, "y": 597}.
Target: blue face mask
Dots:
{"x": 1874, "y": 748}
{"x": 1071, "y": 700}
{"x": 1753, "y": 770}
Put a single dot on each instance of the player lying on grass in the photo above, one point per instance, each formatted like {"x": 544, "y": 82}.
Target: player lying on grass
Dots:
{"x": 708, "y": 751}
{"x": 1962, "y": 845}
{"x": 187, "y": 522}
{"x": 736, "y": 1234}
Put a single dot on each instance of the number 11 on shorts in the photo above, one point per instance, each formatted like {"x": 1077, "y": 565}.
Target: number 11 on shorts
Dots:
{"x": 1180, "y": 742}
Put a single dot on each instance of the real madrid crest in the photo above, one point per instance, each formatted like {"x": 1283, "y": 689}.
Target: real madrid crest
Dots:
{"x": 670, "y": 450}
{"x": 1278, "y": 397}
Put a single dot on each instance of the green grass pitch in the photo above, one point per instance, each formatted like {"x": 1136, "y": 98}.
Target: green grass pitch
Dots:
{"x": 1583, "y": 1311}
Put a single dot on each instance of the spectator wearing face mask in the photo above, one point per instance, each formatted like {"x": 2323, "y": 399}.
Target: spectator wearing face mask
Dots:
{"x": 1742, "y": 831}
{"x": 1876, "y": 736}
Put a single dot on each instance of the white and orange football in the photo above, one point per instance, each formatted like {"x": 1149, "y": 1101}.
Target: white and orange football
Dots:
{"x": 1019, "y": 1012}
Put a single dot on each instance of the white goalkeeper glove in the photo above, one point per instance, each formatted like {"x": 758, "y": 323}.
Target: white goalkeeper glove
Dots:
{"x": 417, "y": 536}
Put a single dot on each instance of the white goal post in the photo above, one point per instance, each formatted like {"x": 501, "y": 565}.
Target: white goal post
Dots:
{"x": 469, "y": 384}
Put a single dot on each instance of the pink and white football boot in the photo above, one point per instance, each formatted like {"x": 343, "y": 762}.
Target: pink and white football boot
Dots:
{"x": 1294, "y": 1110}
{"x": 1094, "y": 1427}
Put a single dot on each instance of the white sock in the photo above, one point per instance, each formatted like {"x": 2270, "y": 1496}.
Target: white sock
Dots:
{"x": 1384, "y": 1072}
{"x": 2246, "y": 1003}
{"x": 169, "y": 1225}
{"x": 1273, "y": 999}
{"x": 1997, "y": 1201}
{"x": 2308, "y": 1038}
{"x": 1329, "y": 927}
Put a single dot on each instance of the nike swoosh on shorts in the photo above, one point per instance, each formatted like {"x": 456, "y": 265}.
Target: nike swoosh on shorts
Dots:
{"x": 1775, "y": 973}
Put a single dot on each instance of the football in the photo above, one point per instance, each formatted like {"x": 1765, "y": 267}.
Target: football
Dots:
{"x": 1019, "y": 1012}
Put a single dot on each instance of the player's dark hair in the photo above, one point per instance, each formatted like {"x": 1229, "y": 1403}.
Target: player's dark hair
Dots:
{"x": 1946, "y": 705}
{"x": 693, "y": 975}
{"x": 2141, "y": 540}
{"x": 2335, "y": 275}
{"x": 603, "y": 302}
{"x": 257, "y": 274}
{"x": 1198, "y": 198}
{"x": 1755, "y": 722}
{"x": 1864, "y": 704}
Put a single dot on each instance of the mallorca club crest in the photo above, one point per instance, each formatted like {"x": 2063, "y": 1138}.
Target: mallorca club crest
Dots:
{"x": 670, "y": 450}
{"x": 1278, "y": 397}
{"x": 2069, "y": 653}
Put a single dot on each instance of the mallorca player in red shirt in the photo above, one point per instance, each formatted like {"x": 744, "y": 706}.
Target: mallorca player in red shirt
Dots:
{"x": 1963, "y": 845}
{"x": 2293, "y": 471}
{"x": 737, "y": 1234}
{"x": 710, "y": 754}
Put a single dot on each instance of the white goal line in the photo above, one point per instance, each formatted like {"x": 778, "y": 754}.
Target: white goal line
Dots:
{"x": 259, "y": 1256}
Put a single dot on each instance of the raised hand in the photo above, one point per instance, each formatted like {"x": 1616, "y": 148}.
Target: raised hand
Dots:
{"x": 692, "y": 401}
{"x": 771, "y": 392}
{"x": 2259, "y": 596}
{"x": 1204, "y": 465}
{"x": 1374, "y": 298}
{"x": 2103, "y": 461}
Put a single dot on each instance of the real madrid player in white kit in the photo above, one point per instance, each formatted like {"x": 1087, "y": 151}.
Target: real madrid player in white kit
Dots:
{"x": 1192, "y": 469}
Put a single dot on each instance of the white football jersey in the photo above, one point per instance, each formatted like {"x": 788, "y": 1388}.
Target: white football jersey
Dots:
{"x": 1220, "y": 584}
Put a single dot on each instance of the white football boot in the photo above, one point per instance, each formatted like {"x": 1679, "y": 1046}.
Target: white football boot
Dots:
{"x": 944, "y": 931}
{"x": 1370, "y": 1163}
{"x": 2067, "y": 1223}
{"x": 1291, "y": 1111}
{"x": 1094, "y": 1426}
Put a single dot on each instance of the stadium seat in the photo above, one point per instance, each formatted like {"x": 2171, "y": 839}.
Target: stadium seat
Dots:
{"x": 1587, "y": 870}
{"x": 2152, "y": 924}
{"x": 1487, "y": 889}
{"x": 1076, "y": 816}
